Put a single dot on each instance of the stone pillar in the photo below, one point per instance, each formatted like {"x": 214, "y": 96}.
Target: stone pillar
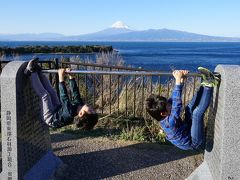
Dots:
{"x": 26, "y": 144}
{"x": 222, "y": 154}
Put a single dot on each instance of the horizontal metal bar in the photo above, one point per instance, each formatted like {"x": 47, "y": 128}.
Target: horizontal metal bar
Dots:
{"x": 146, "y": 73}
{"x": 105, "y": 66}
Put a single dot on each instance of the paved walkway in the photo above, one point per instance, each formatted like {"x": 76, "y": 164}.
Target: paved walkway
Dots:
{"x": 101, "y": 158}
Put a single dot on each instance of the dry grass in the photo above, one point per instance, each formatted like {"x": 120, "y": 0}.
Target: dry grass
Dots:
{"x": 121, "y": 98}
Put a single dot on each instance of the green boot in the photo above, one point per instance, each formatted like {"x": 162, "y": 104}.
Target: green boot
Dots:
{"x": 209, "y": 79}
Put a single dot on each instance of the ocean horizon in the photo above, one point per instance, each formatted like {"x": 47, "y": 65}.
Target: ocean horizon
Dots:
{"x": 163, "y": 56}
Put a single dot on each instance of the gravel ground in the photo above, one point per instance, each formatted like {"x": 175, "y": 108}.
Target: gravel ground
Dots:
{"x": 102, "y": 158}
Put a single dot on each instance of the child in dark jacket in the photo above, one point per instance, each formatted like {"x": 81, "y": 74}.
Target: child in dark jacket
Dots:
{"x": 187, "y": 134}
{"x": 57, "y": 113}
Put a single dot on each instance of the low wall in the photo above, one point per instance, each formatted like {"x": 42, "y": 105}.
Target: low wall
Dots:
{"x": 222, "y": 154}
{"x": 26, "y": 144}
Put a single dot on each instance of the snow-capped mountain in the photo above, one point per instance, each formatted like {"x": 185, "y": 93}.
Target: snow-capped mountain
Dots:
{"x": 119, "y": 25}
{"x": 119, "y": 31}
{"x": 117, "y": 28}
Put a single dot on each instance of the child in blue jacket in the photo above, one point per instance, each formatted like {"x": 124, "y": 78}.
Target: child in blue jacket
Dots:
{"x": 187, "y": 134}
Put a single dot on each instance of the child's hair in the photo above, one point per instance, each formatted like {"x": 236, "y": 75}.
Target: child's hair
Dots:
{"x": 156, "y": 104}
{"x": 87, "y": 121}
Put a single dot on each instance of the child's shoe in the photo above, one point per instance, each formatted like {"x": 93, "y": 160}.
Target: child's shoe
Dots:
{"x": 209, "y": 79}
{"x": 31, "y": 66}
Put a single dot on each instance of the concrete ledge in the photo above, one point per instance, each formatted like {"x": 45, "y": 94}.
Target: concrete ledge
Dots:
{"x": 201, "y": 173}
{"x": 44, "y": 168}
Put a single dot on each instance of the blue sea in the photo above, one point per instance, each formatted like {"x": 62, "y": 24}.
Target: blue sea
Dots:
{"x": 157, "y": 55}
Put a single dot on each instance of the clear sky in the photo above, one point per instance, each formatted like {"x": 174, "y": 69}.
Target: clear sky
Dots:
{"x": 72, "y": 17}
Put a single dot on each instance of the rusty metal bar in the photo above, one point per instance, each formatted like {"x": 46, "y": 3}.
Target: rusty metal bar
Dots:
{"x": 78, "y": 77}
{"x": 145, "y": 73}
{"x": 110, "y": 92}
{"x": 142, "y": 94}
{"x": 86, "y": 87}
{"x": 159, "y": 83}
{"x": 101, "y": 71}
{"x": 94, "y": 89}
{"x": 118, "y": 79}
{"x": 102, "y": 90}
{"x": 151, "y": 84}
{"x": 126, "y": 101}
{"x": 168, "y": 88}
{"x": 134, "y": 96}
{"x": 56, "y": 66}
{"x": 105, "y": 66}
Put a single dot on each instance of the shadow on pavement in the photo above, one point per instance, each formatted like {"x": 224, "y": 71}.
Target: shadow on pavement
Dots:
{"x": 112, "y": 162}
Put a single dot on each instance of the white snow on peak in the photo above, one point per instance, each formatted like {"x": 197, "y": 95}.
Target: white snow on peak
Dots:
{"x": 119, "y": 24}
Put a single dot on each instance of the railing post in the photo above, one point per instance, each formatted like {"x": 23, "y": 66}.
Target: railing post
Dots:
{"x": 56, "y": 65}
{"x": 0, "y": 66}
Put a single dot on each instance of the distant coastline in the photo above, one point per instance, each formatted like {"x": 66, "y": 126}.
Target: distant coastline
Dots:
{"x": 148, "y": 55}
{"x": 44, "y": 49}
{"x": 122, "y": 33}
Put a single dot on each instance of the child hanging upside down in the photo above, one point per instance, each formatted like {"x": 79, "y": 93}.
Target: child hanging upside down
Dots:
{"x": 187, "y": 134}
{"x": 57, "y": 113}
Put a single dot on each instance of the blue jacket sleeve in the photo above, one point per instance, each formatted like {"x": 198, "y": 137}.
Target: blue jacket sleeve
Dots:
{"x": 176, "y": 105}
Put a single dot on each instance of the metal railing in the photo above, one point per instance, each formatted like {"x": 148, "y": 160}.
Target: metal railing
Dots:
{"x": 119, "y": 90}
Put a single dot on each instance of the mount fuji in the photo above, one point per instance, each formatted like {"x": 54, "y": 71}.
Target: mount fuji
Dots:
{"x": 117, "y": 28}
{"x": 121, "y": 32}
